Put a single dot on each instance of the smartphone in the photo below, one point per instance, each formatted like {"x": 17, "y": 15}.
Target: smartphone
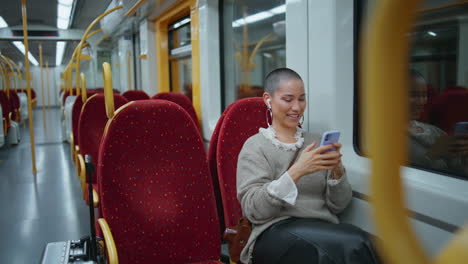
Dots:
{"x": 461, "y": 128}
{"x": 330, "y": 137}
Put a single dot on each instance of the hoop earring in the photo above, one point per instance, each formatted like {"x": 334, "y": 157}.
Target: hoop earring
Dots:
{"x": 271, "y": 116}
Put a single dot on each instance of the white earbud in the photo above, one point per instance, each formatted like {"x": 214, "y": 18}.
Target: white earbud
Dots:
{"x": 268, "y": 103}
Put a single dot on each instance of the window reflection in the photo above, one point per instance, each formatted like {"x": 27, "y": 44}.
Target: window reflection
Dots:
{"x": 254, "y": 43}
{"x": 438, "y": 94}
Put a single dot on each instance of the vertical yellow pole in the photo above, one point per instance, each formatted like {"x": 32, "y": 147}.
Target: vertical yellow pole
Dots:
{"x": 84, "y": 95}
{"x": 48, "y": 85}
{"x": 77, "y": 74}
{"x": 42, "y": 86}
{"x": 28, "y": 85}
{"x": 196, "y": 89}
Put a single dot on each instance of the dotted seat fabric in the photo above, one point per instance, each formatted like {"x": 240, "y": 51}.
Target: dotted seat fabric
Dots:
{"x": 242, "y": 121}
{"x": 92, "y": 122}
{"x": 212, "y": 151}
{"x": 155, "y": 188}
{"x": 134, "y": 95}
{"x": 181, "y": 100}
{"x": 101, "y": 90}
{"x": 76, "y": 112}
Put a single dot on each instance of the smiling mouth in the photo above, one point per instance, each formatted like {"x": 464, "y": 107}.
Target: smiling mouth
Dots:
{"x": 294, "y": 117}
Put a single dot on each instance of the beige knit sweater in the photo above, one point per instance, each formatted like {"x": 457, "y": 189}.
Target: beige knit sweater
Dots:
{"x": 260, "y": 162}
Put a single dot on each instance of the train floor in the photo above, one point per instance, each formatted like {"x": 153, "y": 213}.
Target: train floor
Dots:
{"x": 42, "y": 208}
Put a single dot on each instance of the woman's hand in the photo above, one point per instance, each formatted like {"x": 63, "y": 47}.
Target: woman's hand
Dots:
{"x": 313, "y": 160}
{"x": 446, "y": 146}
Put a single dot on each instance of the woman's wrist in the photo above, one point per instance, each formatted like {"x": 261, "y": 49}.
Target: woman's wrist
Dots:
{"x": 337, "y": 172}
{"x": 294, "y": 173}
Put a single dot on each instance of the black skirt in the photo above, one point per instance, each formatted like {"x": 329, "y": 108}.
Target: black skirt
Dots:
{"x": 311, "y": 241}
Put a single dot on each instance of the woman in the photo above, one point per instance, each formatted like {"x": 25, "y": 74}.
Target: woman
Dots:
{"x": 431, "y": 147}
{"x": 293, "y": 208}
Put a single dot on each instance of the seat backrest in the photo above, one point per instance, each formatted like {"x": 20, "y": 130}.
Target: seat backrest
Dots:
{"x": 14, "y": 99}
{"x": 101, "y": 90}
{"x": 242, "y": 121}
{"x": 154, "y": 186}
{"x": 92, "y": 122}
{"x": 181, "y": 100}
{"x": 33, "y": 93}
{"x": 76, "y": 112}
{"x": 212, "y": 151}
{"x": 448, "y": 108}
{"x": 133, "y": 95}
{"x": 6, "y": 104}
{"x": 15, "y": 105}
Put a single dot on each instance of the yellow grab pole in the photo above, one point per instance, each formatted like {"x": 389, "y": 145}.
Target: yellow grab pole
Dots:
{"x": 28, "y": 85}
{"x": 87, "y": 33}
{"x": 84, "y": 95}
{"x": 385, "y": 80}
{"x": 48, "y": 85}
{"x": 108, "y": 92}
{"x": 42, "y": 86}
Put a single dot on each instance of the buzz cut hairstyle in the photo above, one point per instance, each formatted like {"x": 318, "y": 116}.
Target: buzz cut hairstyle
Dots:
{"x": 275, "y": 77}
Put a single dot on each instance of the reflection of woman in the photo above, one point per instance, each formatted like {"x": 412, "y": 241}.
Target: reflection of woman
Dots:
{"x": 431, "y": 147}
{"x": 293, "y": 208}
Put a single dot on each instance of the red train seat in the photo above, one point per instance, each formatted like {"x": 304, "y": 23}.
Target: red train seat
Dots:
{"x": 181, "y": 100}
{"x": 154, "y": 186}
{"x": 91, "y": 124}
{"x": 134, "y": 95}
{"x": 242, "y": 121}
{"x": 448, "y": 108}
{"x": 212, "y": 151}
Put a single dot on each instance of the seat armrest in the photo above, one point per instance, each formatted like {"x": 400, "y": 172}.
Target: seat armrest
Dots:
{"x": 109, "y": 239}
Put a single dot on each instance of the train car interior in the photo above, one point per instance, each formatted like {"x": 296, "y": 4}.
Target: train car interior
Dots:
{"x": 152, "y": 131}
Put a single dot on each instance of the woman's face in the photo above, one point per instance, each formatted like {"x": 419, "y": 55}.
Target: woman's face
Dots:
{"x": 288, "y": 103}
{"x": 418, "y": 98}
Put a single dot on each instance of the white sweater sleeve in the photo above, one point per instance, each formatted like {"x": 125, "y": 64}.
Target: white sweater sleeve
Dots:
{"x": 284, "y": 189}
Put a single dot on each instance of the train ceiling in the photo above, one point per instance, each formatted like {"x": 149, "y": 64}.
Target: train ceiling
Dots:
{"x": 42, "y": 17}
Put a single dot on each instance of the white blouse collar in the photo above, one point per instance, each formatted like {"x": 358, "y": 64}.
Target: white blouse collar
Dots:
{"x": 270, "y": 134}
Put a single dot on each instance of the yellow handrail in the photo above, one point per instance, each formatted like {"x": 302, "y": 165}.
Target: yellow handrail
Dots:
{"x": 28, "y": 85}
{"x": 84, "y": 95}
{"x": 109, "y": 239}
{"x": 108, "y": 91}
{"x": 134, "y": 8}
{"x": 87, "y": 32}
{"x": 385, "y": 75}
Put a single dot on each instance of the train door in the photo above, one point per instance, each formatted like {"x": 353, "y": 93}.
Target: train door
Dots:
{"x": 177, "y": 52}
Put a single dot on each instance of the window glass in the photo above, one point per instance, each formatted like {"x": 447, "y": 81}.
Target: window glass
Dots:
{"x": 254, "y": 43}
{"x": 438, "y": 81}
{"x": 180, "y": 59}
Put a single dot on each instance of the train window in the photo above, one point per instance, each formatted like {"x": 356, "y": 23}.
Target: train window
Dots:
{"x": 180, "y": 59}
{"x": 438, "y": 94}
{"x": 253, "y": 43}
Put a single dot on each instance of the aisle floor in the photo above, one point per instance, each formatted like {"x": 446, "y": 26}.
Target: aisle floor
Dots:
{"x": 41, "y": 208}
